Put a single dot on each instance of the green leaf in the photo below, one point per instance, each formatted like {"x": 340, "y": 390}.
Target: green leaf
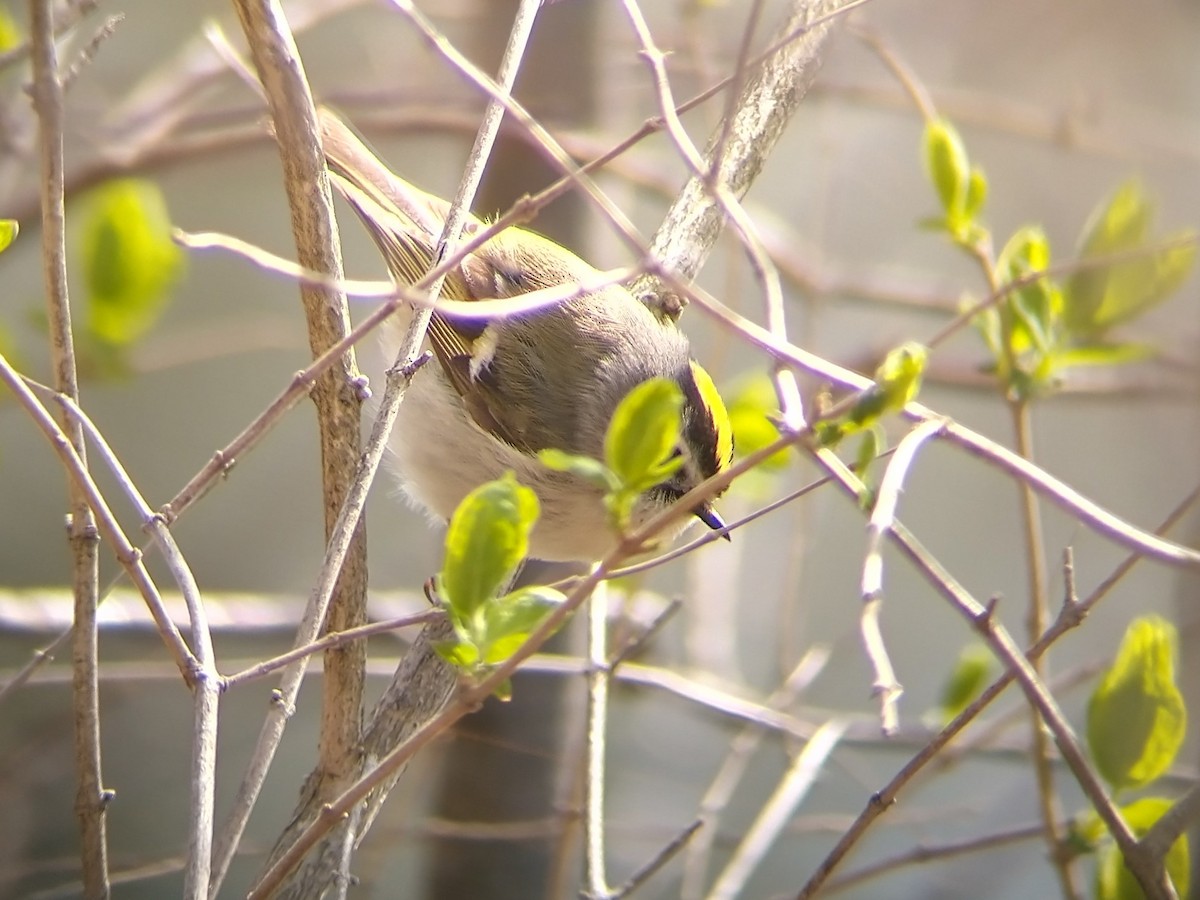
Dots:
{"x": 1132, "y": 288}
{"x": 977, "y": 189}
{"x": 462, "y": 654}
{"x": 487, "y": 539}
{"x": 130, "y": 261}
{"x": 619, "y": 504}
{"x": 1086, "y": 832}
{"x": 968, "y": 678}
{"x": 1102, "y": 355}
{"x": 1136, "y": 716}
{"x": 511, "y": 619}
{"x": 1035, "y": 307}
{"x": 8, "y": 232}
{"x": 643, "y": 434}
{"x": 873, "y": 442}
{"x": 752, "y": 404}
{"x": 1114, "y": 881}
{"x": 10, "y": 34}
{"x": 899, "y": 375}
{"x": 897, "y": 382}
{"x": 1100, "y": 297}
{"x": 590, "y": 470}
{"x": 948, "y": 168}
{"x": 1120, "y": 224}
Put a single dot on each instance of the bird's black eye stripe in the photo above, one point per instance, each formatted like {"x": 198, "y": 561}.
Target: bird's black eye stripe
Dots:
{"x": 698, "y": 427}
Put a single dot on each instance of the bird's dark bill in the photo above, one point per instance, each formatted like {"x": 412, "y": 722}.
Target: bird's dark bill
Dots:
{"x": 712, "y": 519}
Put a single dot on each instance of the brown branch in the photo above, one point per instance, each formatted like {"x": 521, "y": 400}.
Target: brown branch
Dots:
{"x": 691, "y": 226}
{"x": 335, "y": 392}
{"x": 433, "y": 683}
{"x": 91, "y": 799}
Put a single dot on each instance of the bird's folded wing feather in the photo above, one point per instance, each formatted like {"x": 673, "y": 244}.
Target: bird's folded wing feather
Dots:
{"x": 404, "y": 222}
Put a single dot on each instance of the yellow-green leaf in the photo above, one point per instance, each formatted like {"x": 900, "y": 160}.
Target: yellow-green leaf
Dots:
{"x": 1136, "y": 716}
{"x": 899, "y": 375}
{"x": 462, "y": 654}
{"x": 947, "y": 166}
{"x": 512, "y": 618}
{"x": 1135, "y": 286}
{"x": 897, "y": 382}
{"x": 10, "y": 34}
{"x": 590, "y": 470}
{"x": 487, "y": 539}
{"x": 8, "y": 232}
{"x": 1034, "y": 307}
{"x": 1121, "y": 223}
{"x": 966, "y": 681}
{"x": 644, "y": 433}
{"x": 752, "y": 403}
{"x": 1099, "y": 297}
{"x": 130, "y": 261}
{"x": 1102, "y": 355}
{"x": 977, "y": 188}
{"x": 1114, "y": 881}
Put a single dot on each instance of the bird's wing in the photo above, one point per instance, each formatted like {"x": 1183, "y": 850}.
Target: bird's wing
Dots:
{"x": 404, "y": 221}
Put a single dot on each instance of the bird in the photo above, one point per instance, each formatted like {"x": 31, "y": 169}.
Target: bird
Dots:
{"x": 505, "y": 388}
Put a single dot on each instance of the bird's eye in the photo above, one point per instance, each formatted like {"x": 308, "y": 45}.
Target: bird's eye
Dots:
{"x": 507, "y": 281}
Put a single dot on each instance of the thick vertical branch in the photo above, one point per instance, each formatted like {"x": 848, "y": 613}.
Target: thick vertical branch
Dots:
{"x": 694, "y": 221}
{"x": 327, "y": 862}
{"x": 90, "y": 797}
{"x": 338, "y": 401}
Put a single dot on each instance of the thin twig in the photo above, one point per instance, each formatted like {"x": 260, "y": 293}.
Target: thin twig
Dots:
{"x": 469, "y": 696}
{"x": 72, "y": 14}
{"x": 310, "y": 625}
{"x": 488, "y": 309}
{"x": 741, "y": 749}
{"x": 636, "y": 642}
{"x": 333, "y": 639}
{"x": 1163, "y": 834}
{"x": 778, "y": 810}
{"x": 88, "y": 52}
{"x": 336, "y": 394}
{"x": 126, "y": 553}
{"x": 660, "y": 859}
{"x": 595, "y": 879}
{"x": 573, "y": 174}
{"x": 204, "y": 680}
{"x": 886, "y": 687}
{"x": 1037, "y": 616}
{"x": 924, "y": 854}
{"x": 780, "y": 81}
{"x": 764, "y": 107}
{"x": 1068, "y": 745}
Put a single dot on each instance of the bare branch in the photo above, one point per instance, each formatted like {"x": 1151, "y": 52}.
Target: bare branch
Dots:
{"x": 90, "y": 796}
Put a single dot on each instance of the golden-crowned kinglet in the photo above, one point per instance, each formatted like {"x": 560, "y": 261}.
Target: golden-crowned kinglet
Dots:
{"x": 506, "y": 388}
